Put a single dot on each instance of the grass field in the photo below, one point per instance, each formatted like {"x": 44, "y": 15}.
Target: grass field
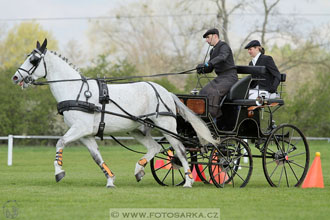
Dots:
{"x": 82, "y": 193}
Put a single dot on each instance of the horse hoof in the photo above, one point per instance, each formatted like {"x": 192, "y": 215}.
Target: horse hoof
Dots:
{"x": 189, "y": 182}
{"x": 110, "y": 182}
{"x": 139, "y": 175}
{"x": 111, "y": 186}
{"x": 59, "y": 176}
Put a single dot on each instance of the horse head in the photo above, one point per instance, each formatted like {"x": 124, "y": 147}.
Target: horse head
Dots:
{"x": 30, "y": 70}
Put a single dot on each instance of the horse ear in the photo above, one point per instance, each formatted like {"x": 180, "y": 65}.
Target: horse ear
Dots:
{"x": 43, "y": 46}
{"x": 38, "y": 44}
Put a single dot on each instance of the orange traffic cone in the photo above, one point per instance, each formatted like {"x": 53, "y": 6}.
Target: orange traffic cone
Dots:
{"x": 220, "y": 178}
{"x": 159, "y": 164}
{"x": 195, "y": 174}
{"x": 200, "y": 167}
{"x": 314, "y": 178}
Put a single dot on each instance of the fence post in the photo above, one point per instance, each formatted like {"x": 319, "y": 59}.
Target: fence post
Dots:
{"x": 10, "y": 149}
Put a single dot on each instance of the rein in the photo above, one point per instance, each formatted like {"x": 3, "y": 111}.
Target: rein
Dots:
{"x": 113, "y": 79}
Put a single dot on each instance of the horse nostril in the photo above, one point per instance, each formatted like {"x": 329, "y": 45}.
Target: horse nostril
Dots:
{"x": 15, "y": 78}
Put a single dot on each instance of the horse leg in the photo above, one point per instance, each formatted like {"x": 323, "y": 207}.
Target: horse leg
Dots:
{"x": 181, "y": 153}
{"x": 152, "y": 146}
{"x": 92, "y": 146}
{"x": 59, "y": 173}
{"x": 74, "y": 133}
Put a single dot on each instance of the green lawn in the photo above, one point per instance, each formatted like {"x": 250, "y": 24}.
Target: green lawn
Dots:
{"x": 82, "y": 193}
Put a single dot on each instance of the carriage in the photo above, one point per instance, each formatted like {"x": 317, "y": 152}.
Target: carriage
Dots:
{"x": 138, "y": 108}
{"x": 245, "y": 122}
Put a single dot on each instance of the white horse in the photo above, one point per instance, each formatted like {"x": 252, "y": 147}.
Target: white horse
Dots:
{"x": 135, "y": 98}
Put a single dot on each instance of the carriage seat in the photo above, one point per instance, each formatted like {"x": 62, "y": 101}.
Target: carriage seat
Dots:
{"x": 241, "y": 88}
{"x": 238, "y": 93}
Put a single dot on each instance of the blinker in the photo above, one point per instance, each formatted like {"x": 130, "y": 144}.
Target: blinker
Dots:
{"x": 35, "y": 58}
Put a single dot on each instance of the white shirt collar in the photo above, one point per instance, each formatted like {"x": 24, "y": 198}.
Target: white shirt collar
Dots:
{"x": 255, "y": 59}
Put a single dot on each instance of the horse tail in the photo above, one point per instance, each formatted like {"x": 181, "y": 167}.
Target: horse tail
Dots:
{"x": 203, "y": 132}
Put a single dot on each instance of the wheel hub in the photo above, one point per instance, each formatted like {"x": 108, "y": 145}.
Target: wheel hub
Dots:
{"x": 281, "y": 157}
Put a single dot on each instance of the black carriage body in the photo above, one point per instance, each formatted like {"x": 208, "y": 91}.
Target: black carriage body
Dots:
{"x": 241, "y": 116}
{"x": 239, "y": 119}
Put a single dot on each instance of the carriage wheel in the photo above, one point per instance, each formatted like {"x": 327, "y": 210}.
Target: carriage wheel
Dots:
{"x": 202, "y": 165}
{"x": 230, "y": 164}
{"x": 166, "y": 167}
{"x": 285, "y": 158}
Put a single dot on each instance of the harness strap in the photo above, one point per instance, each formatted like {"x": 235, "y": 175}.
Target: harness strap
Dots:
{"x": 77, "y": 105}
{"x": 159, "y": 98}
{"x": 103, "y": 99}
{"x": 45, "y": 66}
{"x": 159, "y": 113}
{"x": 103, "y": 91}
{"x": 87, "y": 93}
{"x": 102, "y": 123}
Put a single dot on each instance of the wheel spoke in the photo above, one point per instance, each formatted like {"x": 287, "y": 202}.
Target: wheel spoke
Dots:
{"x": 295, "y": 155}
{"x": 289, "y": 144}
{"x": 162, "y": 166}
{"x": 279, "y": 182}
{"x": 181, "y": 174}
{"x": 166, "y": 176}
{"x": 272, "y": 152}
{"x": 236, "y": 149}
{"x": 278, "y": 145}
{"x": 238, "y": 175}
{"x": 269, "y": 162}
{"x": 244, "y": 166}
{"x": 294, "y": 173}
{"x": 204, "y": 168}
{"x": 297, "y": 164}
{"x": 273, "y": 171}
{"x": 286, "y": 175}
{"x": 238, "y": 158}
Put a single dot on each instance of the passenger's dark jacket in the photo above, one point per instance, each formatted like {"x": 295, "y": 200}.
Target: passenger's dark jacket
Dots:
{"x": 272, "y": 76}
{"x": 222, "y": 62}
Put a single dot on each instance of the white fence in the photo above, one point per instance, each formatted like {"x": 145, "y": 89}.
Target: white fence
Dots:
{"x": 11, "y": 138}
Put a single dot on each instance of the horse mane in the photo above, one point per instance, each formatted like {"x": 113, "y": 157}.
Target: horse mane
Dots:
{"x": 67, "y": 61}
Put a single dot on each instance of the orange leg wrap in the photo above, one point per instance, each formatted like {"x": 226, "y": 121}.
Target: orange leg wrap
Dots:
{"x": 59, "y": 157}
{"x": 190, "y": 174}
{"x": 143, "y": 162}
{"x": 106, "y": 170}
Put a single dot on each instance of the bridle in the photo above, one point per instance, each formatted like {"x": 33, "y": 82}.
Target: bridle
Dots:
{"x": 35, "y": 60}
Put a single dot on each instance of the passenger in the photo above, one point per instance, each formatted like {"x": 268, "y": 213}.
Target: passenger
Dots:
{"x": 269, "y": 82}
{"x": 222, "y": 62}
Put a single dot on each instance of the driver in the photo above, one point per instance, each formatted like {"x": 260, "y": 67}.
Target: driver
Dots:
{"x": 222, "y": 62}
